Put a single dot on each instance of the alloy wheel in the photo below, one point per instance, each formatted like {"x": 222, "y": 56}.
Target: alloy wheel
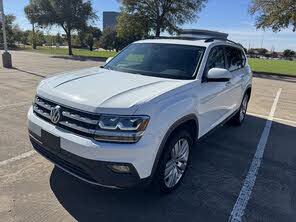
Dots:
{"x": 243, "y": 110}
{"x": 176, "y": 165}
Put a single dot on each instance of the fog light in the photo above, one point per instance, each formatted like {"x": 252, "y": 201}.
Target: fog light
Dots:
{"x": 120, "y": 168}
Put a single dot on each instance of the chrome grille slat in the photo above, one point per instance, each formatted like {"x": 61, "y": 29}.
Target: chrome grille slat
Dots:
{"x": 79, "y": 118}
{"x": 78, "y": 122}
{"x": 43, "y": 104}
{"x": 40, "y": 112}
{"x": 78, "y": 128}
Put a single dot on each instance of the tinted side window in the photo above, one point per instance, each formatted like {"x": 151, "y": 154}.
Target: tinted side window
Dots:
{"x": 235, "y": 59}
{"x": 216, "y": 59}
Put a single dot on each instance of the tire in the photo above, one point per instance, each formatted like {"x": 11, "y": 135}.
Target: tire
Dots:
{"x": 240, "y": 116}
{"x": 169, "y": 164}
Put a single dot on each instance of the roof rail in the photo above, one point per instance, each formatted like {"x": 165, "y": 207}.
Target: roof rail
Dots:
{"x": 221, "y": 39}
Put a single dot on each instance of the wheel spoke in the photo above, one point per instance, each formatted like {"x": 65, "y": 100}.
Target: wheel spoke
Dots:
{"x": 169, "y": 174}
{"x": 169, "y": 167}
{"x": 173, "y": 179}
{"x": 183, "y": 152}
{"x": 175, "y": 167}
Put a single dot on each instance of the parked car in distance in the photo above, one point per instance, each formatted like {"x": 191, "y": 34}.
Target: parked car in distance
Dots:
{"x": 135, "y": 120}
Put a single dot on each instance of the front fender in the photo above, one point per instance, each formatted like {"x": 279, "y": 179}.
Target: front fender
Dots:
{"x": 166, "y": 116}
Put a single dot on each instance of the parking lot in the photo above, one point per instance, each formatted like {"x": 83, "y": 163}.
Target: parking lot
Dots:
{"x": 32, "y": 189}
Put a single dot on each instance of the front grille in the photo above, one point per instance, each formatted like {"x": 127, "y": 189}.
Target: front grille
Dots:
{"x": 78, "y": 122}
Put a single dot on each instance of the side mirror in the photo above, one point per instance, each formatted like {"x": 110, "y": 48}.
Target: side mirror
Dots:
{"x": 218, "y": 75}
{"x": 108, "y": 60}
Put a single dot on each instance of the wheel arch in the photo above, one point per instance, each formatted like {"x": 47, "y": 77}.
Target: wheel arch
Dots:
{"x": 189, "y": 122}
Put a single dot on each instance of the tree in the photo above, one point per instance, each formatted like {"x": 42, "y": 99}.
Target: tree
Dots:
{"x": 25, "y": 37}
{"x": 289, "y": 54}
{"x": 37, "y": 37}
{"x": 111, "y": 41}
{"x": 59, "y": 39}
{"x": 11, "y": 30}
{"x": 71, "y": 15}
{"x": 129, "y": 27}
{"x": 89, "y": 36}
{"x": 162, "y": 15}
{"x": 108, "y": 39}
{"x": 262, "y": 51}
{"x": 275, "y": 14}
{"x": 31, "y": 12}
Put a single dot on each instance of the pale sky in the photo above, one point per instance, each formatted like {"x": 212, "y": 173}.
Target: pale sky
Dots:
{"x": 230, "y": 16}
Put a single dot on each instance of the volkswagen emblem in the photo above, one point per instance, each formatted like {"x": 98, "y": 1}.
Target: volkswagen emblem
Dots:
{"x": 55, "y": 114}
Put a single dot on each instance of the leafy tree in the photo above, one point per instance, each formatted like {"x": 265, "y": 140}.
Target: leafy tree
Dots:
{"x": 275, "y": 14}
{"x": 11, "y": 30}
{"x": 89, "y": 36}
{"x": 111, "y": 41}
{"x": 262, "y": 51}
{"x": 25, "y": 37}
{"x": 71, "y": 15}
{"x": 108, "y": 39}
{"x": 37, "y": 37}
{"x": 131, "y": 28}
{"x": 289, "y": 54}
{"x": 31, "y": 12}
{"x": 162, "y": 15}
{"x": 59, "y": 39}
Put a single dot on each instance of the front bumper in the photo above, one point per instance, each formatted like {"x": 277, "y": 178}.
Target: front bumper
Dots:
{"x": 91, "y": 171}
{"x": 87, "y": 159}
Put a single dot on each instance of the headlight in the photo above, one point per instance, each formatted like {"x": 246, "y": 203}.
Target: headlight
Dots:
{"x": 121, "y": 129}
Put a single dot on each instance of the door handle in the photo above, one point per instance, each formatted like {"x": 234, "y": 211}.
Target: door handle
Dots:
{"x": 228, "y": 83}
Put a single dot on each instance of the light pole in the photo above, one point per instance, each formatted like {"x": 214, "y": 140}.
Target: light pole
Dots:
{"x": 6, "y": 57}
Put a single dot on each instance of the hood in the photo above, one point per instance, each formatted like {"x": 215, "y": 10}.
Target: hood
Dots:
{"x": 98, "y": 90}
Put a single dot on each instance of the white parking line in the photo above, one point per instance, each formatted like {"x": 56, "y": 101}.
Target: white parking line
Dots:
{"x": 15, "y": 105}
{"x": 22, "y": 156}
{"x": 275, "y": 118}
{"x": 246, "y": 191}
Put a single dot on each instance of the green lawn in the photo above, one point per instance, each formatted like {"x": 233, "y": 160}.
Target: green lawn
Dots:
{"x": 273, "y": 66}
{"x": 258, "y": 65}
{"x": 78, "y": 52}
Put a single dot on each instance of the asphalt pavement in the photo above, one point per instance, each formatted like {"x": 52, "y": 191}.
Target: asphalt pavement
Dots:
{"x": 32, "y": 189}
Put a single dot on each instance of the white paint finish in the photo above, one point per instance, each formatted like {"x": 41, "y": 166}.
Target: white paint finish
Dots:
{"x": 165, "y": 100}
{"x": 22, "y": 156}
{"x": 246, "y": 191}
{"x": 99, "y": 90}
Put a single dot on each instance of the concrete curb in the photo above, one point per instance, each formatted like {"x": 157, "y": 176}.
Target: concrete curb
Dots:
{"x": 262, "y": 74}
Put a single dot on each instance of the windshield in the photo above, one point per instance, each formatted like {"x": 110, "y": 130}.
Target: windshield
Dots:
{"x": 160, "y": 60}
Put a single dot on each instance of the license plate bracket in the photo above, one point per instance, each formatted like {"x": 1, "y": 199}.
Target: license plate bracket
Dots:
{"x": 50, "y": 141}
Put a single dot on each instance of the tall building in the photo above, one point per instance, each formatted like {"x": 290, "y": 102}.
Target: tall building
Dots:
{"x": 110, "y": 19}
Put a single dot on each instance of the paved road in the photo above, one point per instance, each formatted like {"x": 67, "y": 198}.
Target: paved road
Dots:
{"x": 32, "y": 189}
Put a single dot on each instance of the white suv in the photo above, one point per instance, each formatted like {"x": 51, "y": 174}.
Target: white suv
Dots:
{"x": 135, "y": 120}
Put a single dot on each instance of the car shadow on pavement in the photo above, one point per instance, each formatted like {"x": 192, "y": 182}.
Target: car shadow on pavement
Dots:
{"x": 212, "y": 183}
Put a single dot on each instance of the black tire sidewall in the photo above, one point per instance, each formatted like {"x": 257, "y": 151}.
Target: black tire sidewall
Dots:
{"x": 159, "y": 177}
{"x": 236, "y": 121}
{"x": 241, "y": 121}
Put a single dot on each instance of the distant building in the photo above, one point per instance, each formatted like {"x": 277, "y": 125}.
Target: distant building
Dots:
{"x": 110, "y": 19}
